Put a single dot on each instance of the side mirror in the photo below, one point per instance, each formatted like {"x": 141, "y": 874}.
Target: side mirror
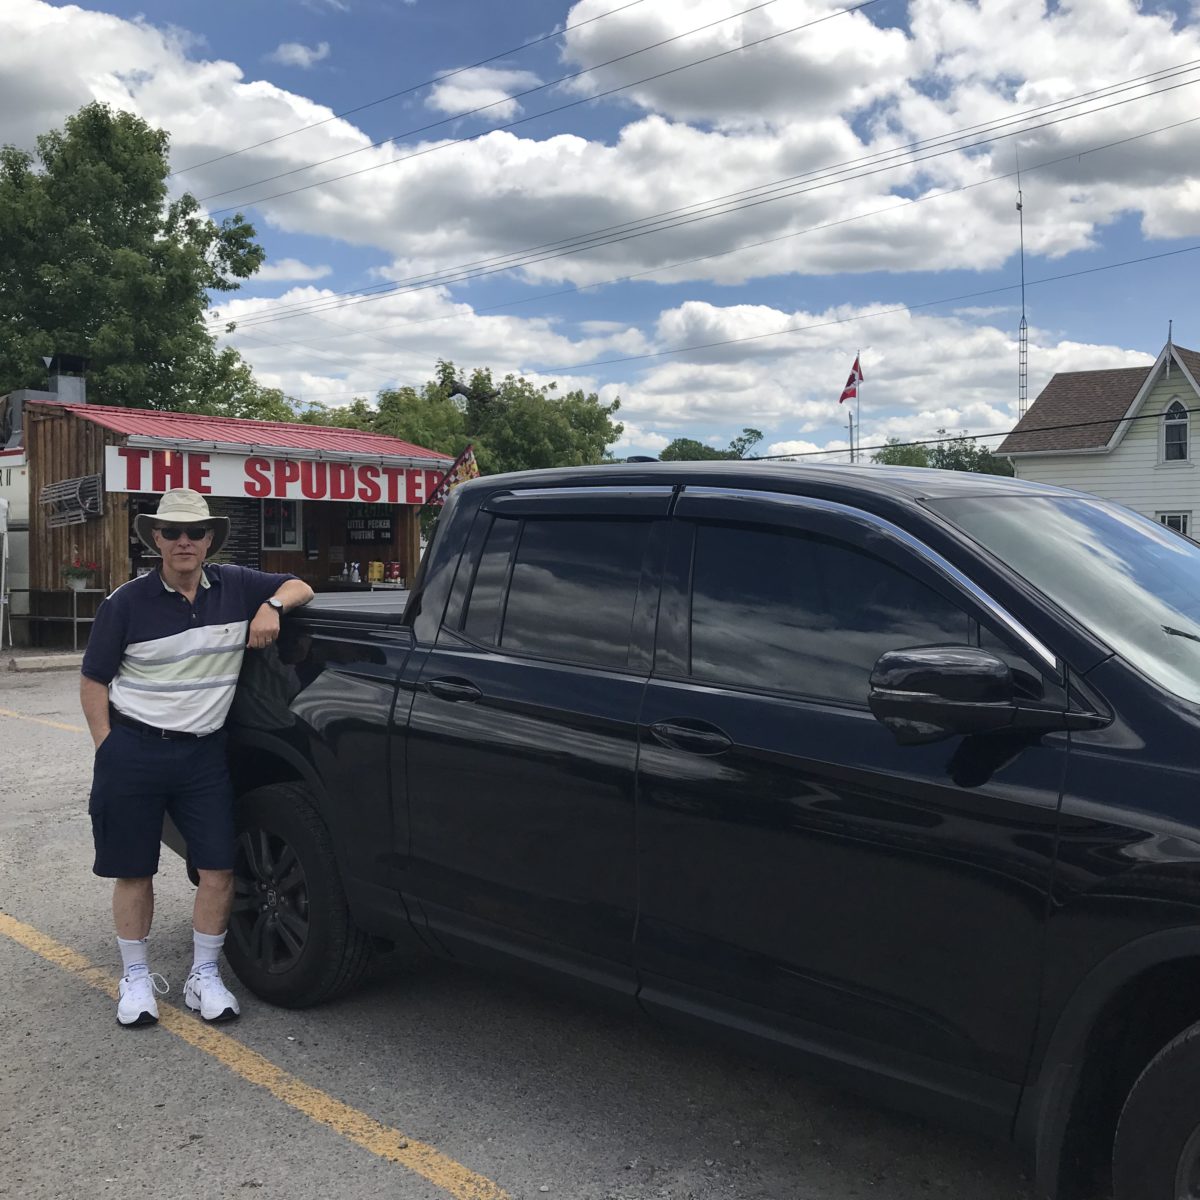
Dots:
{"x": 930, "y": 693}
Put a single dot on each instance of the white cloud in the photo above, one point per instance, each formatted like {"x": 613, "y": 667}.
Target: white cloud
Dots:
{"x": 286, "y": 269}
{"x": 325, "y": 6}
{"x": 507, "y": 191}
{"x": 923, "y": 371}
{"x": 296, "y": 54}
{"x": 785, "y": 113}
{"x": 844, "y": 62}
{"x": 482, "y": 87}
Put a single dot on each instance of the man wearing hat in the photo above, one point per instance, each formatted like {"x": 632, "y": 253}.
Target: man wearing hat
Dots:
{"x": 158, "y": 678}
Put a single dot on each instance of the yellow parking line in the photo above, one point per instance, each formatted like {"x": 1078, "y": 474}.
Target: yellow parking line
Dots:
{"x": 381, "y": 1140}
{"x": 16, "y": 716}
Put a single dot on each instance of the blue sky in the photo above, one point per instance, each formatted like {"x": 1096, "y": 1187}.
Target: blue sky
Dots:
{"x": 225, "y": 75}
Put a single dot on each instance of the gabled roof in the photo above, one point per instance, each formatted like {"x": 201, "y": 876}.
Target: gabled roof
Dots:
{"x": 1092, "y": 404}
{"x": 176, "y": 428}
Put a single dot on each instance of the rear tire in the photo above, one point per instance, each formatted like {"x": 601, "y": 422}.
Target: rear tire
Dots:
{"x": 291, "y": 939}
{"x": 1156, "y": 1155}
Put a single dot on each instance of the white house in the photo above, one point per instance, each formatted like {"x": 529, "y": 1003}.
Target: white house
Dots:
{"x": 1128, "y": 435}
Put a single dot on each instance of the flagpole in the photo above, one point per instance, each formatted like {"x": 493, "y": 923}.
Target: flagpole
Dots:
{"x": 858, "y": 397}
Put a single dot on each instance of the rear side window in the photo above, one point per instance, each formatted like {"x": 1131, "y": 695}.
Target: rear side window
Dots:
{"x": 572, "y": 588}
{"x": 782, "y": 611}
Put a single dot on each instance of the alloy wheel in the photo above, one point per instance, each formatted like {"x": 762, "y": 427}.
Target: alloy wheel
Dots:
{"x": 270, "y": 917}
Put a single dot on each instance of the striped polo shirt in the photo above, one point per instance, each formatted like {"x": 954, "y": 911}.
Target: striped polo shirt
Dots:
{"x": 170, "y": 663}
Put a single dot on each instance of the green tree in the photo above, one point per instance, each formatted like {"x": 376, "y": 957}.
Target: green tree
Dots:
{"x": 901, "y": 454}
{"x": 358, "y": 414}
{"x": 95, "y": 260}
{"x": 516, "y": 425}
{"x": 513, "y": 425}
{"x": 949, "y": 453}
{"x": 745, "y": 441}
{"x": 963, "y": 453}
{"x": 690, "y": 450}
{"x": 427, "y": 418}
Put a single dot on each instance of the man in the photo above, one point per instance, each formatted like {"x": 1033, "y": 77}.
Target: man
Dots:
{"x": 158, "y": 678}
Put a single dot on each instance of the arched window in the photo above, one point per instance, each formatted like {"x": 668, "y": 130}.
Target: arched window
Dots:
{"x": 1175, "y": 432}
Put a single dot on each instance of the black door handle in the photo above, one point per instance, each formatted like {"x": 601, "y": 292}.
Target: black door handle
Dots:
{"x": 452, "y": 689}
{"x": 696, "y": 737}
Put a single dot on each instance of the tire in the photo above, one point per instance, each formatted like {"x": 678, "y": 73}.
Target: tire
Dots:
{"x": 291, "y": 938}
{"x": 1156, "y": 1155}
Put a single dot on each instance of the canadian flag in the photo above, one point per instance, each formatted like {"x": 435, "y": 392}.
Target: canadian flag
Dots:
{"x": 850, "y": 391}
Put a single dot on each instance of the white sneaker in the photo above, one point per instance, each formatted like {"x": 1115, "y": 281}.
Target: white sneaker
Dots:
{"x": 206, "y": 994}
{"x": 136, "y": 1004}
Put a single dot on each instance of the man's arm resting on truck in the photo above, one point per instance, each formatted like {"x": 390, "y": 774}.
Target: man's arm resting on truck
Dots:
{"x": 264, "y": 628}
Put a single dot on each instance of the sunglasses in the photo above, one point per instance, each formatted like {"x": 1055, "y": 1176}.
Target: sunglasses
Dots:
{"x": 173, "y": 533}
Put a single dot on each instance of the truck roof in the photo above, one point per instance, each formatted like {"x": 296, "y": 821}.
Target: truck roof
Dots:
{"x": 907, "y": 483}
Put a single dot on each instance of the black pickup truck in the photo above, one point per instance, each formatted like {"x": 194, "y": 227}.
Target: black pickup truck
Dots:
{"x": 893, "y": 773}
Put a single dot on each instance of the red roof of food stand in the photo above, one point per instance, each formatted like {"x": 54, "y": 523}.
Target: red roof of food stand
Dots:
{"x": 281, "y": 435}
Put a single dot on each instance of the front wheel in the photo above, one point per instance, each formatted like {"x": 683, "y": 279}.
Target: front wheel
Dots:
{"x": 1156, "y": 1155}
{"x": 291, "y": 938}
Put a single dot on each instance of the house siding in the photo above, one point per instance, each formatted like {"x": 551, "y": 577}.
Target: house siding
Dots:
{"x": 1134, "y": 474}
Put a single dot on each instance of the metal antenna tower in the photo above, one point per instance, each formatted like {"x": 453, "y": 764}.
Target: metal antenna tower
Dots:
{"x": 1023, "y": 333}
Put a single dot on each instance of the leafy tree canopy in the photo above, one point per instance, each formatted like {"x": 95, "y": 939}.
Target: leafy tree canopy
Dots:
{"x": 901, "y": 454}
{"x": 957, "y": 453}
{"x": 96, "y": 261}
{"x": 690, "y": 450}
{"x": 513, "y": 424}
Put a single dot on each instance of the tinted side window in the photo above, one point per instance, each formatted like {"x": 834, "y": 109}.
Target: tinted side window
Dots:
{"x": 487, "y": 591}
{"x": 789, "y": 612}
{"x": 573, "y": 589}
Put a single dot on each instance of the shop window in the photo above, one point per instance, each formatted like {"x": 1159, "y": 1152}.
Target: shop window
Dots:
{"x": 281, "y": 525}
{"x": 1175, "y": 432}
{"x": 1178, "y": 521}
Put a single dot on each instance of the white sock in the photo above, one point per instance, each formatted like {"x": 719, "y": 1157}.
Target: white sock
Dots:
{"x": 206, "y": 950}
{"x": 133, "y": 955}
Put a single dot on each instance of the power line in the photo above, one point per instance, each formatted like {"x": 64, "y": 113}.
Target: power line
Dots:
{"x": 758, "y": 190}
{"x": 754, "y": 337}
{"x": 314, "y": 308}
{"x": 902, "y": 308}
{"x": 968, "y": 437}
{"x": 507, "y": 99}
{"x": 550, "y": 111}
{"x": 904, "y": 206}
{"x": 826, "y": 176}
{"x": 416, "y": 87}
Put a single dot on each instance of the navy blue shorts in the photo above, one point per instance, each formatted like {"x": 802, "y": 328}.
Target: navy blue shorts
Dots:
{"x": 137, "y": 778}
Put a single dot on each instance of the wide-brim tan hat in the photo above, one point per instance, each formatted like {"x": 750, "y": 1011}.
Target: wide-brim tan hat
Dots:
{"x": 181, "y": 507}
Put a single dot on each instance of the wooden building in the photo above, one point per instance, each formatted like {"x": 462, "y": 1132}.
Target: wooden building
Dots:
{"x": 305, "y": 499}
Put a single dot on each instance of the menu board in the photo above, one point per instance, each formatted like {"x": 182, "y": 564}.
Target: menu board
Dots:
{"x": 245, "y": 530}
{"x": 369, "y": 524}
{"x": 242, "y": 546}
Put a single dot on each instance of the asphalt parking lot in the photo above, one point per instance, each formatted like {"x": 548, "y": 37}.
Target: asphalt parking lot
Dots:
{"x": 422, "y": 1085}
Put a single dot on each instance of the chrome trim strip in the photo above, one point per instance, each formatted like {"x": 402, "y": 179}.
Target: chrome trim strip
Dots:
{"x": 932, "y": 556}
{"x": 564, "y": 492}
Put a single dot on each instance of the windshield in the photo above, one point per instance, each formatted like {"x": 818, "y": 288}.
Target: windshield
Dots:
{"x": 1133, "y": 582}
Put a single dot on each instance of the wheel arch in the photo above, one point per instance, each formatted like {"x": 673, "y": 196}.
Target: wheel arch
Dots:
{"x": 257, "y": 759}
{"x": 1094, "y": 1050}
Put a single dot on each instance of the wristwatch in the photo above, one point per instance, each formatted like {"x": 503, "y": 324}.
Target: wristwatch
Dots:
{"x": 276, "y": 604}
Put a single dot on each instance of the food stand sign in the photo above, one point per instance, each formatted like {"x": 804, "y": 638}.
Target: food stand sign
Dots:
{"x": 259, "y": 477}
